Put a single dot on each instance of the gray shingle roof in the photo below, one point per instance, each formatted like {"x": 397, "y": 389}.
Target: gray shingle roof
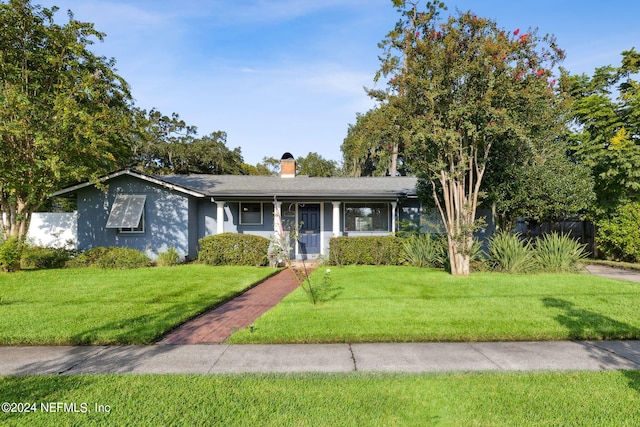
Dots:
{"x": 231, "y": 187}
{"x": 243, "y": 186}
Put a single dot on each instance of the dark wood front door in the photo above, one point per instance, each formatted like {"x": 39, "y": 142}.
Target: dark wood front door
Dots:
{"x": 309, "y": 219}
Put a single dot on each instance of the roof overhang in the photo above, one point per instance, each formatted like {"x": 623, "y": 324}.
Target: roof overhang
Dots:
{"x": 312, "y": 197}
{"x": 129, "y": 172}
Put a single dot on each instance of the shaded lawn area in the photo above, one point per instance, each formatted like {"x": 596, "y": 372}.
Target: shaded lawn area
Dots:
{"x": 461, "y": 399}
{"x": 405, "y": 304}
{"x": 95, "y": 306}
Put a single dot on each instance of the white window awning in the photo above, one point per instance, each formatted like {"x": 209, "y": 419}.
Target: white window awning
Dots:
{"x": 126, "y": 211}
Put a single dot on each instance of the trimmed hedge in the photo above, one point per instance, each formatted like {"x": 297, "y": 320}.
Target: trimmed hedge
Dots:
{"x": 234, "y": 249}
{"x": 112, "y": 257}
{"x": 369, "y": 250}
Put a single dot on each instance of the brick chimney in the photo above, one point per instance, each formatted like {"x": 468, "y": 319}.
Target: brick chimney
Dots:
{"x": 287, "y": 166}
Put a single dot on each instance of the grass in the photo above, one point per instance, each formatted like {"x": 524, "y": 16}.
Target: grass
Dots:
{"x": 404, "y": 304}
{"x": 93, "y": 306}
{"x": 496, "y": 399}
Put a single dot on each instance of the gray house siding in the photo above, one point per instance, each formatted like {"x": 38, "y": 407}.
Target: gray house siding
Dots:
{"x": 207, "y": 221}
{"x": 192, "y": 223}
{"x": 167, "y": 218}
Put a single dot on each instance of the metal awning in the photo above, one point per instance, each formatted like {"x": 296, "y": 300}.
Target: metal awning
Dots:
{"x": 126, "y": 211}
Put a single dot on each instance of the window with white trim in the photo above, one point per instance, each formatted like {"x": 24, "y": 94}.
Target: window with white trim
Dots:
{"x": 366, "y": 217}
{"x": 250, "y": 213}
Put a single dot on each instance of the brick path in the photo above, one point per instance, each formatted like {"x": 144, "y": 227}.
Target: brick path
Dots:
{"x": 217, "y": 325}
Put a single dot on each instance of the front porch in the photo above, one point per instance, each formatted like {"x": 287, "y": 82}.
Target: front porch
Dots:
{"x": 313, "y": 222}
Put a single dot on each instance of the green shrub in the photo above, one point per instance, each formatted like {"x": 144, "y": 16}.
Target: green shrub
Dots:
{"x": 41, "y": 257}
{"x": 10, "y": 254}
{"x": 168, "y": 258}
{"x": 509, "y": 253}
{"x": 557, "y": 254}
{"x": 478, "y": 257}
{"x": 88, "y": 258}
{"x": 368, "y": 250}
{"x": 425, "y": 250}
{"x": 619, "y": 237}
{"x": 112, "y": 257}
{"x": 234, "y": 249}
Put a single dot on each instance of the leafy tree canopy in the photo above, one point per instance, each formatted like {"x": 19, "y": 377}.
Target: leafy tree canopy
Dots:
{"x": 313, "y": 164}
{"x": 606, "y": 137}
{"x": 373, "y": 142}
{"x": 65, "y": 114}
{"x": 166, "y": 145}
{"x": 469, "y": 89}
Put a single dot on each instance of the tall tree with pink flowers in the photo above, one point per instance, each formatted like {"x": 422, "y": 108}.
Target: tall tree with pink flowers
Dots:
{"x": 469, "y": 90}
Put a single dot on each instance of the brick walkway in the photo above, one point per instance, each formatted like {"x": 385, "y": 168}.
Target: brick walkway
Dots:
{"x": 217, "y": 325}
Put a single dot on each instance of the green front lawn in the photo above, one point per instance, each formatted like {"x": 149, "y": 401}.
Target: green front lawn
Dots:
{"x": 387, "y": 304}
{"x": 356, "y": 399}
{"x": 94, "y": 306}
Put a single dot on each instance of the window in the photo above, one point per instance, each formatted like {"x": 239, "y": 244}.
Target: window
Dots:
{"x": 366, "y": 217}
{"x": 251, "y": 213}
{"x": 127, "y": 213}
{"x": 137, "y": 229}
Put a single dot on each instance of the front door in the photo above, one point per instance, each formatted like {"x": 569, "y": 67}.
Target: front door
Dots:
{"x": 309, "y": 220}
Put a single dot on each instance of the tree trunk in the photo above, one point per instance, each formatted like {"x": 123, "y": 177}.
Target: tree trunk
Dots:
{"x": 460, "y": 190}
{"x": 16, "y": 217}
{"x": 393, "y": 170}
{"x": 458, "y": 214}
{"x": 460, "y": 260}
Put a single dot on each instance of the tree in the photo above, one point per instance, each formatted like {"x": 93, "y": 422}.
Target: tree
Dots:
{"x": 313, "y": 164}
{"x": 606, "y": 133}
{"x": 468, "y": 87}
{"x": 207, "y": 155}
{"x": 257, "y": 169}
{"x": 155, "y": 131}
{"x": 65, "y": 115}
{"x": 374, "y": 145}
{"x": 270, "y": 164}
{"x": 547, "y": 186}
{"x": 168, "y": 145}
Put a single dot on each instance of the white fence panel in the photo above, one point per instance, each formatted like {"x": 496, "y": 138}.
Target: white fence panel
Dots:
{"x": 57, "y": 230}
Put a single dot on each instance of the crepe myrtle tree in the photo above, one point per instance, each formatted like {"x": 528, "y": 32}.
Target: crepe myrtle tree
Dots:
{"x": 466, "y": 87}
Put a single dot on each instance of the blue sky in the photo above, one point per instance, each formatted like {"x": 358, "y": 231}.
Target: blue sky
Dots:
{"x": 288, "y": 75}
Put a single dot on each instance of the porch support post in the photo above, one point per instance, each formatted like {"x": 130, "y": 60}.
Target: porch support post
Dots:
{"x": 336, "y": 219}
{"x": 394, "y": 206}
{"x": 277, "y": 217}
{"x": 220, "y": 217}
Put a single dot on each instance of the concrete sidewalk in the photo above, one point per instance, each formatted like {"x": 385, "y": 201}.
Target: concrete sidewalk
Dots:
{"x": 613, "y": 273}
{"x": 397, "y": 357}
